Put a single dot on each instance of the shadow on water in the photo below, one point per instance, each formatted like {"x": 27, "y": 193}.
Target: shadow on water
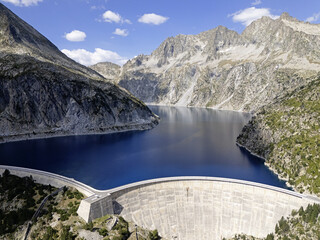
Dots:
{"x": 257, "y": 161}
{"x": 187, "y": 142}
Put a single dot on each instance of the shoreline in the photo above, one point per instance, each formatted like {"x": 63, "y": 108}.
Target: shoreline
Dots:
{"x": 110, "y": 130}
{"x": 211, "y": 108}
{"x": 128, "y": 128}
{"x": 270, "y": 168}
{"x": 286, "y": 180}
{"x": 57, "y": 134}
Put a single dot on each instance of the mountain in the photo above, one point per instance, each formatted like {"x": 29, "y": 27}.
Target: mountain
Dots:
{"x": 44, "y": 93}
{"x": 108, "y": 70}
{"x": 18, "y": 37}
{"x": 286, "y": 134}
{"x": 271, "y": 68}
{"x": 222, "y": 69}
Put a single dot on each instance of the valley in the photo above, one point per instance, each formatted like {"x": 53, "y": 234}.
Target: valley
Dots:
{"x": 219, "y": 103}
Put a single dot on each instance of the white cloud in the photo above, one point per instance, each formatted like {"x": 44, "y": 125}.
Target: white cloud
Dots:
{"x": 256, "y": 2}
{"x": 248, "y": 15}
{"x": 121, "y": 32}
{"x": 76, "y": 36}
{"x": 99, "y": 55}
{"x": 23, "y": 3}
{"x": 315, "y": 17}
{"x": 151, "y": 18}
{"x": 110, "y": 17}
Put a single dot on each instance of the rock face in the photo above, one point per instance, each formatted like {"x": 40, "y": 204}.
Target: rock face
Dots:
{"x": 286, "y": 134}
{"x": 222, "y": 69}
{"x": 44, "y": 93}
{"x": 108, "y": 70}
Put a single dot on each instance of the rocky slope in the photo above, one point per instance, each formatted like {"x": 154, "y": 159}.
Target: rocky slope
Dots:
{"x": 18, "y": 37}
{"x": 286, "y": 134}
{"x": 222, "y": 69}
{"x": 108, "y": 70}
{"x": 44, "y": 93}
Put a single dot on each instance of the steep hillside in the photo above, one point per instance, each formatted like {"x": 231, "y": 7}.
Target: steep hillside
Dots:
{"x": 222, "y": 69}
{"x": 44, "y": 93}
{"x": 286, "y": 134}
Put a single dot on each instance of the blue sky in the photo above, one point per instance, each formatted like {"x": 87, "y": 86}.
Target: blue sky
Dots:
{"x": 116, "y": 30}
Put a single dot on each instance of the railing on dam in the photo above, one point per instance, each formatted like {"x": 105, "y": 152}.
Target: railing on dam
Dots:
{"x": 50, "y": 178}
{"x": 199, "y": 178}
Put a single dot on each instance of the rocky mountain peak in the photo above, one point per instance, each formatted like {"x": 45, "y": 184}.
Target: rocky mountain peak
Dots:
{"x": 223, "y": 69}
{"x": 18, "y": 37}
{"x": 108, "y": 70}
{"x": 44, "y": 93}
{"x": 285, "y": 34}
{"x": 17, "y": 33}
{"x": 185, "y": 47}
{"x": 286, "y": 16}
{"x": 172, "y": 46}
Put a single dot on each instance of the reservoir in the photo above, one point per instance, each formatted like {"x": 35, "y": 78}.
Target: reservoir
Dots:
{"x": 187, "y": 142}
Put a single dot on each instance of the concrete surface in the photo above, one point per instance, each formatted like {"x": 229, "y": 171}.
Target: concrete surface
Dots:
{"x": 49, "y": 178}
{"x": 186, "y": 207}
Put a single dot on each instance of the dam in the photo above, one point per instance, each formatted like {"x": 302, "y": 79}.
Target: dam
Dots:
{"x": 186, "y": 207}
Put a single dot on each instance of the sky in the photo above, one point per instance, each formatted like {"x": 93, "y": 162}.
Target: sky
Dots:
{"x": 91, "y": 31}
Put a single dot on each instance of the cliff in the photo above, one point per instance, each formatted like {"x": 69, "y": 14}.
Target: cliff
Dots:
{"x": 44, "y": 93}
{"x": 286, "y": 134}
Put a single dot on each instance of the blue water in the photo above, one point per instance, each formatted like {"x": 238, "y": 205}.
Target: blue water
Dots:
{"x": 187, "y": 142}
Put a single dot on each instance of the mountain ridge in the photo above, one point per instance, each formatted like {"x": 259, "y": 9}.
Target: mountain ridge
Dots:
{"x": 223, "y": 69}
{"x": 17, "y": 36}
{"x": 270, "y": 69}
{"x": 43, "y": 93}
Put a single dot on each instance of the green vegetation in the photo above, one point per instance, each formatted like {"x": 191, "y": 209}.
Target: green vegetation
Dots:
{"x": 287, "y": 134}
{"x": 103, "y": 232}
{"x": 122, "y": 228}
{"x": 154, "y": 235}
{"x": 20, "y": 197}
{"x": 66, "y": 234}
{"x": 300, "y": 225}
{"x": 88, "y": 226}
{"x": 25, "y": 193}
{"x": 50, "y": 234}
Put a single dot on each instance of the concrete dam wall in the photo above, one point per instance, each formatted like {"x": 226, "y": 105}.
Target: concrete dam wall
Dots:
{"x": 47, "y": 178}
{"x": 186, "y": 207}
{"x": 198, "y": 207}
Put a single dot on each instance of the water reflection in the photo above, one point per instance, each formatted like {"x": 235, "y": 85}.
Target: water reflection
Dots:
{"x": 188, "y": 141}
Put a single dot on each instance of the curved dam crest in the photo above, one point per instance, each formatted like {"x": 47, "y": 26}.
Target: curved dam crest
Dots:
{"x": 185, "y": 207}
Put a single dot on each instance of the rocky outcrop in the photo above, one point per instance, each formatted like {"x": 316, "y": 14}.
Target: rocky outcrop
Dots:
{"x": 44, "y": 93}
{"x": 108, "y": 70}
{"x": 286, "y": 134}
{"x": 222, "y": 69}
